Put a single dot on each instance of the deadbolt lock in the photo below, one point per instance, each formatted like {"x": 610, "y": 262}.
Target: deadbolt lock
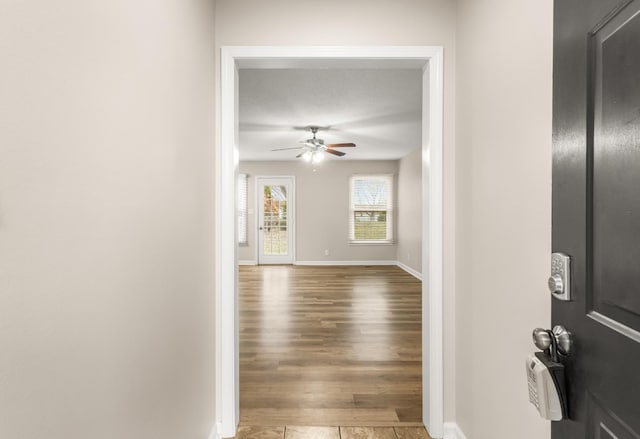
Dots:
{"x": 556, "y": 286}
{"x": 560, "y": 280}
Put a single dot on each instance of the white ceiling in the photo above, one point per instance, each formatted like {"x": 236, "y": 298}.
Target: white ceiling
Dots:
{"x": 377, "y": 109}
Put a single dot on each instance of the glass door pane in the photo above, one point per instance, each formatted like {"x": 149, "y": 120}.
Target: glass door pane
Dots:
{"x": 275, "y": 240}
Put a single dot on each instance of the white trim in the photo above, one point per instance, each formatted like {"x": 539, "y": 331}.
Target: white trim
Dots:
{"x": 247, "y": 262}
{"x": 334, "y": 263}
{"x": 226, "y": 271}
{"x": 433, "y": 252}
{"x": 227, "y": 396}
{"x": 370, "y": 243}
{"x": 411, "y": 271}
{"x": 250, "y": 53}
{"x": 452, "y": 431}
{"x": 213, "y": 434}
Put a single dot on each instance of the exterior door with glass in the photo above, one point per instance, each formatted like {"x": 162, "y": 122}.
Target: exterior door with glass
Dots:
{"x": 275, "y": 220}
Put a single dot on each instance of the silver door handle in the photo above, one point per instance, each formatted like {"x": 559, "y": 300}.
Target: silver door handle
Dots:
{"x": 558, "y": 341}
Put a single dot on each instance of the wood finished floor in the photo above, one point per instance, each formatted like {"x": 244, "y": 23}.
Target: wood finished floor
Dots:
{"x": 330, "y": 346}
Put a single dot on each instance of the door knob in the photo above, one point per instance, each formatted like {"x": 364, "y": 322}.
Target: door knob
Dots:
{"x": 556, "y": 341}
{"x": 564, "y": 340}
{"x": 541, "y": 338}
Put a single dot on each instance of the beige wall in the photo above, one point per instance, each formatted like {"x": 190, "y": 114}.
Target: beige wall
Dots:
{"x": 360, "y": 22}
{"x": 322, "y": 208}
{"x": 409, "y": 224}
{"x": 106, "y": 153}
{"x": 106, "y": 202}
{"x": 503, "y": 206}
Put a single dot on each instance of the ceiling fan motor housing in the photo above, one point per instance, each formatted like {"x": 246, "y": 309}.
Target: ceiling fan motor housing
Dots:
{"x": 315, "y": 141}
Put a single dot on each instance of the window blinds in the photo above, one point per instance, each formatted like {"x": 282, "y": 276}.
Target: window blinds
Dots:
{"x": 242, "y": 208}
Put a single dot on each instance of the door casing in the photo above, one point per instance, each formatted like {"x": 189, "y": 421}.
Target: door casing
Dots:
{"x": 226, "y": 258}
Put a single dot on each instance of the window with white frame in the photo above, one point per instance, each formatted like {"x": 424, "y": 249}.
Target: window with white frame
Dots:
{"x": 242, "y": 209}
{"x": 371, "y": 209}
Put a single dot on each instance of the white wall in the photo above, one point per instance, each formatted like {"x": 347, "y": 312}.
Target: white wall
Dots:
{"x": 322, "y": 208}
{"x": 106, "y": 154}
{"x": 409, "y": 224}
{"x": 374, "y": 22}
{"x": 503, "y": 209}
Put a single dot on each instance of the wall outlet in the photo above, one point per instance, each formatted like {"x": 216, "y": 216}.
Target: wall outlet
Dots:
{"x": 326, "y": 252}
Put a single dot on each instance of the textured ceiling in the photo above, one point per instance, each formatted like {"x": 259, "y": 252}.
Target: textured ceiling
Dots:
{"x": 377, "y": 109}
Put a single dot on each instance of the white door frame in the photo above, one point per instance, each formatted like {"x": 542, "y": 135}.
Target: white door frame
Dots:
{"x": 291, "y": 217}
{"x": 226, "y": 261}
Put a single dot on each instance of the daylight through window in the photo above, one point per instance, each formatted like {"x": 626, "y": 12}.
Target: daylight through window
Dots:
{"x": 371, "y": 209}
{"x": 242, "y": 208}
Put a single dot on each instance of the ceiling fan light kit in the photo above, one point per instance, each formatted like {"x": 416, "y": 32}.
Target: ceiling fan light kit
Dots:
{"x": 314, "y": 157}
{"x": 314, "y": 147}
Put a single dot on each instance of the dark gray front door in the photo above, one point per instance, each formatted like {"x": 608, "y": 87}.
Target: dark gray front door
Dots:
{"x": 596, "y": 211}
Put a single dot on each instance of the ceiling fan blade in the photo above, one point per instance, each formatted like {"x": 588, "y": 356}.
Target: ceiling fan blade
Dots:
{"x": 338, "y": 153}
{"x": 284, "y": 149}
{"x": 301, "y": 154}
{"x": 341, "y": 145}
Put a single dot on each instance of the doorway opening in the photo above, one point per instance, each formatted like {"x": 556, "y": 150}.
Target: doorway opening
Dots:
{"x": 430, "y": 60}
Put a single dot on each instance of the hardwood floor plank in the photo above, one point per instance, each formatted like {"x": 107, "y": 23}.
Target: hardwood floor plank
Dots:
{"x": 330, "y": 346}
{"x": 398, "y": 400}
{"x": 408, "y": 414}
{"x": 318, "y": 416}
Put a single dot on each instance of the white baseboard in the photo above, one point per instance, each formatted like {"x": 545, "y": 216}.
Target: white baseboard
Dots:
{"x": 247, "y": 262}
{"x": 452, "y": 431}
{"x": 410, "y": 270}
{"x": 214, "y": 432}
{"x": 346, "y": 263}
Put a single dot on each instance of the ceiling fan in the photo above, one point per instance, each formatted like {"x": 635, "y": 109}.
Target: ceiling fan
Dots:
{"x": 314, "y": 147}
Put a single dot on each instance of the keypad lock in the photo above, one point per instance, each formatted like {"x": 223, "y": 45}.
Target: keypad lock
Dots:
{"x": 560, "y": 280}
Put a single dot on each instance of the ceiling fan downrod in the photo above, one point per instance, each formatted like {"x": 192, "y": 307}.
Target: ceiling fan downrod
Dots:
{"x": 314, "y": 130}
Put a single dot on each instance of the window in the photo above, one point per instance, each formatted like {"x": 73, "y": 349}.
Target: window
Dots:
{"x": 242, "y": 209}
{"x": 371, "y": 209}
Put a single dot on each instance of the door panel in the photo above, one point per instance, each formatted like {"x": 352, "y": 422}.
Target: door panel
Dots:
{"x": 605, "y": 424}
{"x": 596, "y": 211}
{"x": 615, "y": 168}
{"x": 275, "y": 220}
